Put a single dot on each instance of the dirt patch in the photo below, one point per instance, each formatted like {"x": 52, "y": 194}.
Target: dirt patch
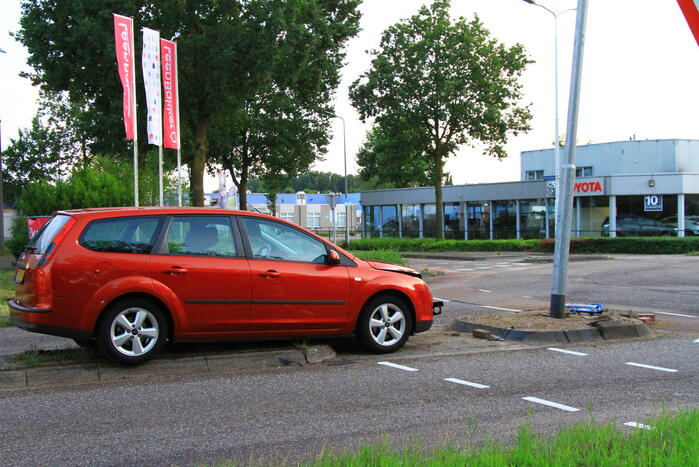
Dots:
{"x": 539, "y": 320}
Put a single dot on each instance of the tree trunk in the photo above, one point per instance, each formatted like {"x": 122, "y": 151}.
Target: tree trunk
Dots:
{"x": 438, "y": 172}
{"x": 196, "y": 177}
{"x": 243, "y": 193}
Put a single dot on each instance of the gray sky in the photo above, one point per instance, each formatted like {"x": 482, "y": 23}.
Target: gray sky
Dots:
{"x": 640, "y": 71}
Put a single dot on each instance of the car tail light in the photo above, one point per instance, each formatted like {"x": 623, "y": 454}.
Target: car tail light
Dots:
{"x": 55, "y": 242}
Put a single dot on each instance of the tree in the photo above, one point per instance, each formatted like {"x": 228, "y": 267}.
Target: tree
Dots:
{"x": 449, "y": 82}
{"x": 394, "y": 155}
{"x": 230, "y": 53}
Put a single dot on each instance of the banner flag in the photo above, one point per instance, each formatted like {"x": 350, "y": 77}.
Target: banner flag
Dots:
{"x": 171, "y": 109}
{"x": 123, "y": 35}
{"x": 690, "y": 8}
{"x": 150, "y": 61}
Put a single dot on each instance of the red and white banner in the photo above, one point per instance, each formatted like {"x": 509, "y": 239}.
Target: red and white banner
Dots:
{"x": 171, "y": 109}
{"x": 690, "y": 8}
{"x": 150, "y": 62}
{"x": 123, "y": 35}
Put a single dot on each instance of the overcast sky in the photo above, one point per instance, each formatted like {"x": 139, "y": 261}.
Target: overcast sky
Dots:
{"x": 640, "y": 74}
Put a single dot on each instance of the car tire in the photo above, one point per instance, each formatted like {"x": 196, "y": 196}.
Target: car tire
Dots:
{"x": 384, "y": 324}
{"x": 132, "y": 331}
{"x": 85, "y": 343}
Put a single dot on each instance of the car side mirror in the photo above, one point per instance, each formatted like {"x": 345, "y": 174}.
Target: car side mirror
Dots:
{"x": 333, "y": 258}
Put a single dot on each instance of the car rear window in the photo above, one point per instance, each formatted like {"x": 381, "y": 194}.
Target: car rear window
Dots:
{"x": 121, "y": 235}
{"x": 41, "y": 242}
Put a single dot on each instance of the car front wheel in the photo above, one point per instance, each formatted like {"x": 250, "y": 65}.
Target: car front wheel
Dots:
{"x": 132, "y": 331}
{"x": 384, "y": 324}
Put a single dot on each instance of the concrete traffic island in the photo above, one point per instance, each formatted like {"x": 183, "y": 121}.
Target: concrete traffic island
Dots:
{"x": 537, "y": 327}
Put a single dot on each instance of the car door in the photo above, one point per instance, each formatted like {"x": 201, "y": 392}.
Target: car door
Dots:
{"x": 201, "y": 259}
{"x": 292, "y": 286}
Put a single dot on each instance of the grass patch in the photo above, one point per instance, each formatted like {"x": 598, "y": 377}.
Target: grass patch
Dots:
{"x": 671, "y": 441}
{"x": 35, "y": 357}
{"x": 7, "y": 290}
{"x": 390, "y": 256}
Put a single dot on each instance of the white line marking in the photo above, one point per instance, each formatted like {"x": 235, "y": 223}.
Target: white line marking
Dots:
{"x": 522, "y": 264}
{"x": 638, "y": 425}
{"x": 641, "y": 365}
{"x": 571, "y": 352}
{"x": 465, "y": 269}
{"x": 483, "y": 290}
{"x": 674, "y": 314}
{"x": 442, "y": 299}
{"x": 498, "y": 308}
{"x": 551, "y": 404}
{"x": 696, "y": 341}
{"x": 395, "y": 365}
{"x": 484, "y": 267}
{"x": 526, "y": 296}
{"x": 467, "y": 383}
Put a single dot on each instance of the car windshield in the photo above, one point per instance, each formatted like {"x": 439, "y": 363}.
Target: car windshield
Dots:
{"x": 41, "y": 242}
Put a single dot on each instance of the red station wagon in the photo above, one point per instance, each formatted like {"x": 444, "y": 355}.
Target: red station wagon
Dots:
{"x": 133, "y": 278}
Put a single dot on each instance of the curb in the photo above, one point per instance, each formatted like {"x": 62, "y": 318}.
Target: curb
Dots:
{"x": 604, "y": 330}
{"x": 104, "y": 372}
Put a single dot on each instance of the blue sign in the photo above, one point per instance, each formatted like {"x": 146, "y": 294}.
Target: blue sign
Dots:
{"x": 653, "y": 203}
{"x": 549, "y": 177}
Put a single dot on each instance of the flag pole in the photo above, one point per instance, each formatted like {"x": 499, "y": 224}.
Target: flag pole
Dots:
{"x": 135, "y": 117}
{"x": 179, "y": 146}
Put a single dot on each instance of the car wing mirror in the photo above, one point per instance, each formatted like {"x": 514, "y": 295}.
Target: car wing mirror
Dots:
{"x": 333, "y": 258}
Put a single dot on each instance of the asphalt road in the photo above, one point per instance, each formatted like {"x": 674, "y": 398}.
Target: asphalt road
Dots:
{"x": 665, "y": 283}
{"x": 291, "y": 413}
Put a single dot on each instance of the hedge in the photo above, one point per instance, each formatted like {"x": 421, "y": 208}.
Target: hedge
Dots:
{"x": 592, "y": 245}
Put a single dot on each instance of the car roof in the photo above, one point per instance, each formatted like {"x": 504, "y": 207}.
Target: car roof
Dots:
{"x": 152, "y": 211}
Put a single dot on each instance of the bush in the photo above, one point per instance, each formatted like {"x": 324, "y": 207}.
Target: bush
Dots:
{"x": 431, "y": 244}
{"x": 591, "y": 245}
{"x": 19, "y": 236}
{"x": 390, "y": 256}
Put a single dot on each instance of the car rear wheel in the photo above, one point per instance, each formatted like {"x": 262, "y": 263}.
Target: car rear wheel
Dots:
{"x": 384, "y": 324}
{"x": 132, "y": 331}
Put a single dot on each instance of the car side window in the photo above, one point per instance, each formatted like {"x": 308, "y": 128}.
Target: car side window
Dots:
{"x": 277, "y": 241}
{"x": 200, "y": 236}
{"x": 120, "y": 235}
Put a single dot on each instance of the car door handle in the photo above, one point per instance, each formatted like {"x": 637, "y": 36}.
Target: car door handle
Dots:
{"x": 271, "y": 274}
{"x": 176, "y": 271}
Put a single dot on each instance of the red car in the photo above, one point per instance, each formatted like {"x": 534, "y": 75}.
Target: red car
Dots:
{"x": 133, "y": 278}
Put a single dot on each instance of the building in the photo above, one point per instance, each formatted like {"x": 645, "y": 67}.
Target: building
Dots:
{"x": 311, "y": 211}
{"x": 622, "y": 188}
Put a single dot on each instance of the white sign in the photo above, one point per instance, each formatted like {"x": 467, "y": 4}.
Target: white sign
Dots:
{"x": 653, "y": 203}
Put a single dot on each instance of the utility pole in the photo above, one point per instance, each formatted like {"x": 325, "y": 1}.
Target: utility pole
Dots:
{"x": 565, "y": 216}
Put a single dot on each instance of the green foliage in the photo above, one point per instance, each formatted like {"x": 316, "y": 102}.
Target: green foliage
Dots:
{"x": 19, "y": 236}
{"x": 322, "y": 182}
{"x": 390, "y": 256}
{"x": 437, "y": 84}
{"x": 592, "y": 245}
{"x": 672, "y": 441}
{"x": 435, "y": 245}
{"x": 255, "y": 76}
{"x": 628, "y": 245}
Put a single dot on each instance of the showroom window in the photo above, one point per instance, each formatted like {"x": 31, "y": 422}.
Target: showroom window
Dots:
{"x": 583, "y": 172}
{"x": 535, "y": 175}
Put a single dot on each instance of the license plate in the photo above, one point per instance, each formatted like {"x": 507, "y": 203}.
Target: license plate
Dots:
{"x": 19, "y": 275}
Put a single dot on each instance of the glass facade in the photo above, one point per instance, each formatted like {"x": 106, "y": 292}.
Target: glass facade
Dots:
{"x": 410, "y": 216}
{"x": 478, "y": 220}
{"x": 389, "y": 221}
{"x": 504, "y": 219}
{"x": 430, "y": 220}
{"x": 532, "y": 218}
{"x": 451, "y": 221}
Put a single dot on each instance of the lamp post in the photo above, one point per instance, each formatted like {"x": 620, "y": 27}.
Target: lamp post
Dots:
{"x": 557, "y": 153}
{"x": 344, "y": 152}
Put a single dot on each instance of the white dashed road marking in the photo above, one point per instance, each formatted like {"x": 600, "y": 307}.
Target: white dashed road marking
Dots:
{"x": 551, "y": 404}
{"x": 467, "y": 383}
{"x": 638, "y": 425}
{"x": 465, "y": 269}
{"x": 696, "y": 341}
{"x": 484, "y": 267}
{"x": 483, "y": 290}
{"x": 395, "y": 365}
{"x": 651, "y": 367}
{"x": 674, "y": 314}
{"x": 526, "y": 296}
{"x": 522, "y": 264}
{"x": 571, "y": 352}
{"x": 498, "y": 308}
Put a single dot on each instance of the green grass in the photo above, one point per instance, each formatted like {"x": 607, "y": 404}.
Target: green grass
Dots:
{"x": 32, "y": 358}
{"x": 391, "y": 256}
{"x": 7, "y": 290}
{"x": 672, "y": 441}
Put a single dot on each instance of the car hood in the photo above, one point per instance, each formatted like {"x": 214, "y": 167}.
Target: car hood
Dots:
{"x": 384, "y": 266}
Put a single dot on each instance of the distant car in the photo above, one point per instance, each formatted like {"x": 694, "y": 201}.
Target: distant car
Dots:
{"x": 131, "y": 279}
{"x": 691, "y": 224}
{"x": 636, "y": 226}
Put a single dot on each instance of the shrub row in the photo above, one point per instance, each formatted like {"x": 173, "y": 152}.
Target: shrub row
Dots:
{"x": 629, "y": 245}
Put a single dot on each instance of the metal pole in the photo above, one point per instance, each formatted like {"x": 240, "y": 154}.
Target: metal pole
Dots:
{"x": 562, "y": 245}
{"x": 179, "y": 146}
{"x": 2, "y": 199}
{"x": 344, "y": 151}
{"x": 135, "y": 123}
{"x": 557, "y": 153}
